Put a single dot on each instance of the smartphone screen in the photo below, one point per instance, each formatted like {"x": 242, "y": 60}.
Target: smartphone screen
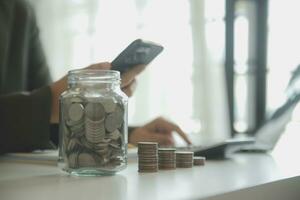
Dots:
{"x": 138, "y": 52}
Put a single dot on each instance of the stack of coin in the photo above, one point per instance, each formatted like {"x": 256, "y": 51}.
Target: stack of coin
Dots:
{"x": 198, "y": 160}
{"x": 147, "y": 157}
{"x": 94, "y": 122}
{"x": 166, "y": 158}
{"x": 184, "y": 159}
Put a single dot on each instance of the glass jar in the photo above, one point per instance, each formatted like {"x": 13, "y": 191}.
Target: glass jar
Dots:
{"x": 93, "y": 124}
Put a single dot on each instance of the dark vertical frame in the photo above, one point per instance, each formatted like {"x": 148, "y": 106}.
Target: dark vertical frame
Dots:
{"x": 229, "y": 57}
{"x": 260, "y": 61}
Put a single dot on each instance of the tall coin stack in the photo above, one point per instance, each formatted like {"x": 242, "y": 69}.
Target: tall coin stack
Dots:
{"x": 184, "y": 159}
{"x": 94, "y": 126}
{"x": 166, "y": 158}
{"x": 147, "y": 157}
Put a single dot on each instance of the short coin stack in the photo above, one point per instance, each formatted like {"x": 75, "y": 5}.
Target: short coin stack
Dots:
{"x": 147, "y": 157}
{"x": 198, "y": 160}
{"x": 166, "y": 158}
{"x": 184, "y": 159}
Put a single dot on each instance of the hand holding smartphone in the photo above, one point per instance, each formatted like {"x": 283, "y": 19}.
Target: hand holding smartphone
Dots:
{"x": 139, "y": 52}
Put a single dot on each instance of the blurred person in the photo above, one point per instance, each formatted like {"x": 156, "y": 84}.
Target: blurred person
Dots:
{"x": 29, "y": 100}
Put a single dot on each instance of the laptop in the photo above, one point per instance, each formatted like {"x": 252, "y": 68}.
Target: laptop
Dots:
{"x": 266, "y": 137}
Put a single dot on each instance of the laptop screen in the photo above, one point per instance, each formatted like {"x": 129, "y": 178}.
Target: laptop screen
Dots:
{"x": 270, "y": 132}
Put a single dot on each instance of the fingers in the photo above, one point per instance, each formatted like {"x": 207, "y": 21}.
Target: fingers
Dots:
{"x": 128, "y": 81}
{"x": 144, "y": 135}
{"x": 130, "y": 75}
{"x": 182, "y": 134}
{"x": 161, "y": 123}
{"x": 162, "y": 139}
{"x": 129, "y": 89}
{"x": 128, "y": 84}
{"x": 103, "y": 65}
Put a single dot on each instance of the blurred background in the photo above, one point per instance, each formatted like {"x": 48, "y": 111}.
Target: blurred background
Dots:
{"x": 225, "y": 65}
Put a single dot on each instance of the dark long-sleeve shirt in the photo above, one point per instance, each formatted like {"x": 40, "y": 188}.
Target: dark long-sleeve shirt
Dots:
{"x": 25, "y": 98}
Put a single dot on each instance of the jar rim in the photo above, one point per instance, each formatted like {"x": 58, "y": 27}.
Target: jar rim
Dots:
{"x": 93, "y": 75}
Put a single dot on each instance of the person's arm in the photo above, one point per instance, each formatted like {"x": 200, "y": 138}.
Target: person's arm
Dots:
{"x": 25, "y": 118}
{"x": 24, "y": 121}
{"x": 38, "y": 70}
{"x": 159, "y": 130}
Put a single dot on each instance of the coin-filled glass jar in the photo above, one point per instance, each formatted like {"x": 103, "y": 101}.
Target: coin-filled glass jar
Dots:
{"x": 93, "y": 124}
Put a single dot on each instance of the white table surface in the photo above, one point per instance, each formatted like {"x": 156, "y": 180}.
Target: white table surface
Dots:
{"x": 24, "y": 179}
{"x": 243, "y": 176}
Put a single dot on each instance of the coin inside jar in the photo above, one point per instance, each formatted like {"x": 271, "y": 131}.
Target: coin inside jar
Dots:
{"x": 72, "y": 160}
{"x": 75, "y": 111}
{"x": 109, "y": 105}
{"x": 95, "y": 111}
{"x": 86, "y": 160}
{"x": 114, "y": 120}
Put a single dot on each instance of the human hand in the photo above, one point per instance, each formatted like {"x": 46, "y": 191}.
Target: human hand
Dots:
{"x": 128, "y": 85}
{"x": 128, "y": 78}
{"x": 159, "y": 130}
{"x": 61, "y": 85}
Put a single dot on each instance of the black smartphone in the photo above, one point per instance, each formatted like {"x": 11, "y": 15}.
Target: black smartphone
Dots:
{"x": 138, "y": 52}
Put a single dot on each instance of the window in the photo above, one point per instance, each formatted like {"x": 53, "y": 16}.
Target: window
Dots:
{"x": 283, "y": 49}
{"x": 185, "y": 83}
{"x": 246, "y": 22}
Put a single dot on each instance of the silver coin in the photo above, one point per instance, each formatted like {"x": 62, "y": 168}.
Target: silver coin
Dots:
{"x": 116, "y": 153}
{"x": 76, "y": 129}
{"x": 101, "y": 145}
{"x": 115, "y": 134}
{"x": 116, "y": 161}
{"x": 78, "y": 133}
{"x": 113, "y": 121}
{"x": 114, "y": 145}
{"x": 72, "y": 160}
{"x": 72, "y": 145}
{"x": 120, "y": 110}
{"x": 86, "y": 160}
{"x": 75, "y": 112}
{"x": 83, "y": 141}
{"x": 109, "y": 105}
{"x": 102, "y": 152}
{"x": 95, "y": 111}
{"x": 76, "y": 99}
{"x": 70, "y": 123}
